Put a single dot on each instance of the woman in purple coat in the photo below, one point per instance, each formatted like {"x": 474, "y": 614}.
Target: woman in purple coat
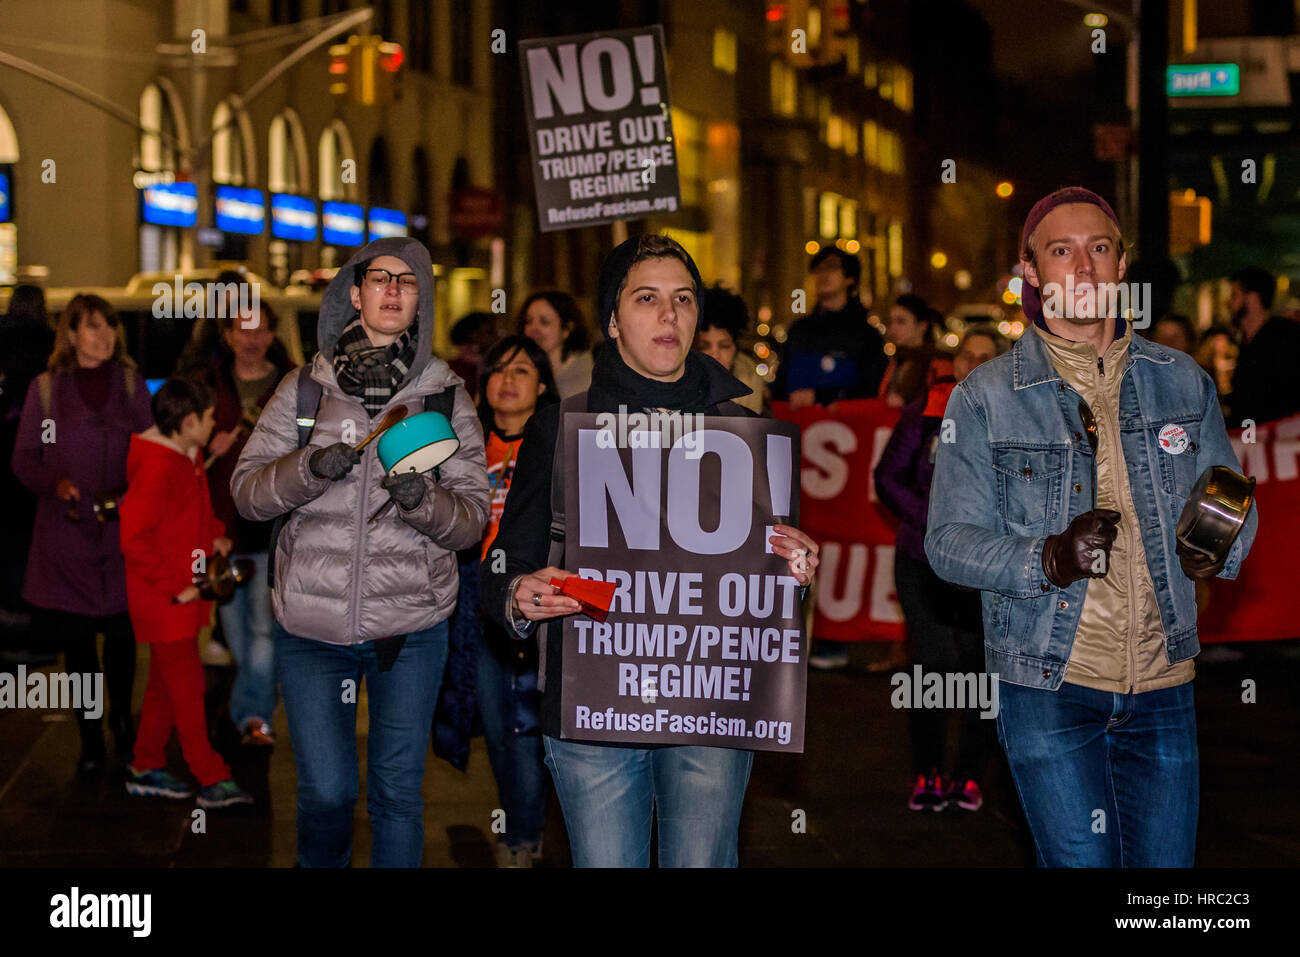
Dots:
{"x": 944, "y": 631}
{"x": 71, "y": 451}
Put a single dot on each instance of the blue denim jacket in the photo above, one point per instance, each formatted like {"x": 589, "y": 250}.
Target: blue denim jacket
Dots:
{"x": 1019, "y": 468}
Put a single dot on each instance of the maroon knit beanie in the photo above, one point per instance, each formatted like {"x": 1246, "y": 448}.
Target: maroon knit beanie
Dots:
{"x": 1030, "y": 300}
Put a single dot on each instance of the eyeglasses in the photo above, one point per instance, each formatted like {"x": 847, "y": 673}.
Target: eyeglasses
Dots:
{"x": 378, "y": 279}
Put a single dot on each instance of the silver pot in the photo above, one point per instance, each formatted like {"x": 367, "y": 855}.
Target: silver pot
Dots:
{"x": 1215, "y": 512}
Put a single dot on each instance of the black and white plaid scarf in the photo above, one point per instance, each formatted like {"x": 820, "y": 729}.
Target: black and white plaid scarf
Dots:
{"x": 372, "y": 372}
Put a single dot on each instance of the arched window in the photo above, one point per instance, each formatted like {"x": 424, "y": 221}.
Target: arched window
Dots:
{"x": 286, "y": 170}
{"x": 162, "y": 133}
{"x": 232, "y": 153}
{"x": 8, "y": 139}
{"x": 336, "y": 181}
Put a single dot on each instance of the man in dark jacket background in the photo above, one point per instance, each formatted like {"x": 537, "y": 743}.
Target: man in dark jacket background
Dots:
{"x": 1265, "y": 385}
{"x": 835, "y": 353}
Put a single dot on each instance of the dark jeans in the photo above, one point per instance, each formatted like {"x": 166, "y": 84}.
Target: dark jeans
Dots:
{"x": 1106, "y": 779}
{"x": 322, "y": 712}
{"x": 945, "y": 635}
{"x": 514, "y": 740}
{"x": 75, "y": 634}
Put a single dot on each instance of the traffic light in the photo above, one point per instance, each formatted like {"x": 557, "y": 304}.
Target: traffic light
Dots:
{"x": 365, "y": 70}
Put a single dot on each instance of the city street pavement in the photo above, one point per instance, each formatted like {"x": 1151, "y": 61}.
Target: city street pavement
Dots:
{"x": 851, "y": 786}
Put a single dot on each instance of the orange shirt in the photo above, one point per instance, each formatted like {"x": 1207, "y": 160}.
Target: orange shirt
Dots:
{"x": 501, "y": 456}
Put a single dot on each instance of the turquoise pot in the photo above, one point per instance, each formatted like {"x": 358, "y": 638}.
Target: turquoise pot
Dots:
{"x": 417, "y": 444}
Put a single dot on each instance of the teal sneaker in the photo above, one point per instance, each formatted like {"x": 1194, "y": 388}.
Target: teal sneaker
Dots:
{"x": 156, "y": 783}
{"x": 224, "y": 794}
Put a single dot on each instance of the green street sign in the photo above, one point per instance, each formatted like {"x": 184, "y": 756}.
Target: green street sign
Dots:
{"x": 1203, "y": 79}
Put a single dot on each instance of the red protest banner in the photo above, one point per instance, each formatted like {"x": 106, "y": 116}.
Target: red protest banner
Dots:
{"x": 1261, "y": 603}
{"x": 840, "y": 510}
{"x": 855, "y": 589}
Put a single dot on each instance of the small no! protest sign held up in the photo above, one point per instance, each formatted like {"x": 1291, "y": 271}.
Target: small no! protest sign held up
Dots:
{"x": 599, "y": 127}
{"x": 704, "y": 641}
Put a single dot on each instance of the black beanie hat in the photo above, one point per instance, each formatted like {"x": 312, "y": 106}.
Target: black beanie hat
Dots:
{"x": 615, "y": 269}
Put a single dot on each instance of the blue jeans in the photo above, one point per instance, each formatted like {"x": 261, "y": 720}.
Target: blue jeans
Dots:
{"x": 608, "y": 795}
{"x": 246, "y": 620}
{"x": 1106, "y": 779}
{"x": 514, "y": 752}
{"x": 323, "y": 729}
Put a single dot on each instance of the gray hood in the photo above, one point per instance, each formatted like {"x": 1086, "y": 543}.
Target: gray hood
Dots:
{"x": 336, "y": 305}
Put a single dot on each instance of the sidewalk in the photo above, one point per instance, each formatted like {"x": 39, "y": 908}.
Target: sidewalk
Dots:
{"x": 851, "y": 785}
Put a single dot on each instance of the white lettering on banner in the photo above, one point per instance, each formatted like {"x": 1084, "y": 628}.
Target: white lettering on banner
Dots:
{"x": 1275, "y": 453}
{"x": 1286, "y": 449}
{"x": 825, "y": 445}
{"x": 631, "y": 590}
{"x": 636, "y": 502}
{"x": 684, "y": 483}
{"x": 566, "y": 83}
{"x": 845, "y": 603}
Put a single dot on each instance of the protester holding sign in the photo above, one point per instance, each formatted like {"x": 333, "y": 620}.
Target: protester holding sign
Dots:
{"x": 1059, "y": 497}
{"x": 648, "y": 304}
{"x": 359, "y": 594}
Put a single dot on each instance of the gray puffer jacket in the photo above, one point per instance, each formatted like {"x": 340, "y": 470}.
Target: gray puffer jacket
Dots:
{"x": 338, "y": 578}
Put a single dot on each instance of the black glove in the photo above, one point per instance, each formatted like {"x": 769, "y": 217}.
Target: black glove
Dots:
{"x": 406, "y": 488}
{"x": 334, "y": 461}
{"x": 1198, "y": 564}
{"x": 1069, "y": 556}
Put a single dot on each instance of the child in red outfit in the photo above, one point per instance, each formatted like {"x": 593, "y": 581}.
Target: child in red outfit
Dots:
{"x": 167, "y": 523}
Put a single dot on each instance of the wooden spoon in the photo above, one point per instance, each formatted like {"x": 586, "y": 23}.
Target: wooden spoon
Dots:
{"x": 394, "y": 416}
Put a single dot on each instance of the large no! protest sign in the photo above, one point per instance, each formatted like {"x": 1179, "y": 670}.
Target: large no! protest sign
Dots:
{"x": 599, "y": 127}
{"x": 704, "y": 643}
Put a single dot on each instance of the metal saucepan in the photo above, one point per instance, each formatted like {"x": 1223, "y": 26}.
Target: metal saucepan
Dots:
{"x": 1216, "y": 511}
{"x": 219, "y": 581}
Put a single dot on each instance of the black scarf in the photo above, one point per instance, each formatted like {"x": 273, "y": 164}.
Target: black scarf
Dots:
{"x": 614, "y": 382}
{"x": 373, "y": 373}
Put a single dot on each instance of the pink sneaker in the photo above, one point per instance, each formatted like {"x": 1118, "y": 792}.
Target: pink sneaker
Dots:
{"x": 965, "y": 795}
{"x": 927, "y": 794}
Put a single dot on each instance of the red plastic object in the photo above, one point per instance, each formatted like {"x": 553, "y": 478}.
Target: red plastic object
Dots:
{"x": 594, "y": 596}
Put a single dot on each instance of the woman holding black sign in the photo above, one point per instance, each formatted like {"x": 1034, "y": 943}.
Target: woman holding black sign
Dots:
{"x": 648, "y": 300}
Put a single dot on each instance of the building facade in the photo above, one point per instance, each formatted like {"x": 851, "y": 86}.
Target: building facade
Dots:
{"x": 77, "y": 171}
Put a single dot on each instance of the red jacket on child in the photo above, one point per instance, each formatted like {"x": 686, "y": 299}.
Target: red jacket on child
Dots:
{"x": 167, "y": 519}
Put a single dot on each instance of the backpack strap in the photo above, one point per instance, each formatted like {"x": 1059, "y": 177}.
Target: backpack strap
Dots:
{"x": 444, "y": 402}
{"x": 309, "y": 394}
{"x": 307, "y": 402}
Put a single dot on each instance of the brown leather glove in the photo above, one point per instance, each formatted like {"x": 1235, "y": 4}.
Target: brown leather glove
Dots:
{"x": 1198, "y": 564}
{"x": 1069, "y": 556}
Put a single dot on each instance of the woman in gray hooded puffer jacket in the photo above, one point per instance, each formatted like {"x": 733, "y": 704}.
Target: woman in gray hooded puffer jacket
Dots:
{"x": 355, "y": 599}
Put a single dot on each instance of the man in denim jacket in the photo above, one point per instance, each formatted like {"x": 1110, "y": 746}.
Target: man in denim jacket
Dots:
{"x": 1059, "y": 496}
